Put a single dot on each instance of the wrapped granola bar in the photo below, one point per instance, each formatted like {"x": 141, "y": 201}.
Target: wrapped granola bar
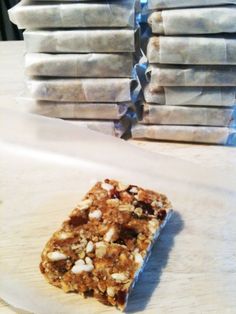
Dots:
{"x": 192, "y": 50}
{"x": 194, "y": 96}
{"x": 210, "y": 20}
{"x": 81, "y": 90}
{"x": 77, "y": 65}
{"x": 28, "y": 14}
{"x": 179, "y": 133}
{"x": 176, "y": 115}
{"x": 196, "y": 75}
{"x": 166, "y": 4}
{"x": 99, "y": 111}
{"x": 82, "y": 41}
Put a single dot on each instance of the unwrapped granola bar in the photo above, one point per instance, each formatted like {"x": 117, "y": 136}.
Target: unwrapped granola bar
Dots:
{"x": 104, "y": 244}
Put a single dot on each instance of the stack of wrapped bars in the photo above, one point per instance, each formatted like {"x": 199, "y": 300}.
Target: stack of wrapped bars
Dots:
{"x": 192, "y": 72}
{"x": 79, "y": 59}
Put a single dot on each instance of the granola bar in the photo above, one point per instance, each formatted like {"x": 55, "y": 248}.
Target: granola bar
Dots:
{"x": 101, "y": 248}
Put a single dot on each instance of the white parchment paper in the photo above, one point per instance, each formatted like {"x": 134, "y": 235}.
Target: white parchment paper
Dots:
{"x": 47, "y": 165}
{"x": 162, "y": 4}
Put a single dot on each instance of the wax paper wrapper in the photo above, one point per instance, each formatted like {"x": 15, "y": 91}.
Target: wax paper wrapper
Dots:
{"x": 195, "y": 75}
{"x": 110, "y": 111}
{"x": 79, "y": 40}
{"x": 211, "y": 20}
{"x": 194, "y": 96}
{"x": 179, "y": 115}
{"x": 113, "y": 128}
{"x": 192, "y": 50}
{"x": 180, "y": 133}
{"x": 166, "y": 4}
{"x": 77, "y": 65}
{"x": 109, "y": 14}
{"x": 47, "y": 165}
{"x": 81, "y": 90}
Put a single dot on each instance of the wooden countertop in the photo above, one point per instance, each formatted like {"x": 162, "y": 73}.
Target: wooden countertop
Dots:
{"x": 12, "y": 84}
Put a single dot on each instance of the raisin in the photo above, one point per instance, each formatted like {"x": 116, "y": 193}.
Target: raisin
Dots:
{"x": 121, "y": 297}
{"x": 146, "y": 207}
{"x": 120, "y": 241}
{"x": 114, "y": 194}
{"x": 127, "y": 233}
{"x": 60, "y": 266}
{"x": 89, "y": 293}
{"x": 76, "y": 221}
{"x": 161, "y": 214}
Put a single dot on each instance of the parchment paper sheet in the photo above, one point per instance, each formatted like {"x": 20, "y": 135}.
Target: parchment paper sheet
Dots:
{"x": 192, "y": 50}
{"x": 194, "y": 96}
{"x": 176, "y": 115}
{"x": 110, "y": 111}
{"x": 162, "y": 4}
{"x": 99, "y": 14}
{"x": 195, "y": 75}
{"x": 211, "y": 20}
{"x": 47, "y": 165}
{"x": 96, "y": 40}
{"x": 179, "y": 133}
{"x": 77, "y": 65}
{"x": 81, "y": 90}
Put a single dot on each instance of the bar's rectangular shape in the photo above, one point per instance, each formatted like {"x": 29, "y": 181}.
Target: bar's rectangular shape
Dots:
{"x": 80, "y": 40}
{"x": 211, "y": 20}
{"x": 166, "y": 4}
{"x": 77, "y": 65}
{"x": 192, "y": 75}
{"x": 81, "y": 90}
{"x": 194, "y": 96}
{"x": 30, "y": 15}
{"x": 102, "y": 247}
{"x": 180, "y": 115}
{"x": 192, "y": 50}
{"x": 182, "y": 133}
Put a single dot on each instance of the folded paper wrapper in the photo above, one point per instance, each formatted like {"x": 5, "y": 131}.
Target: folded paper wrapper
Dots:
{"x": 193, "y": 96}
{"x": 195, "y": 75}
{"x": 165, "y": 4}
{"x": 192, "y": 50}
{"x": 28, "y": 15}
{"x": 81, "y": 90}
{"x": 178, "y": 133}
{"x": 180, "y": 115}
{"x": 210, "y": 20}
{"x": 77, "y": 65}
{"x": 82, "y": 41}
{"x": 96, "y": 111}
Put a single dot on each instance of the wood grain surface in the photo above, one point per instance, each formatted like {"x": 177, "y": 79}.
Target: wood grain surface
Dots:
{"x": 204, "y": 271}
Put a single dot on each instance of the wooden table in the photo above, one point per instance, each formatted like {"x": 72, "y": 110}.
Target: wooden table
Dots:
{"x": 12, "y": 84}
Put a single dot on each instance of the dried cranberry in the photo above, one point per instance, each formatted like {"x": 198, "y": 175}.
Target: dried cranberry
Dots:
{"x": 76, "y": 221}
{"x": 161, "y": 214}
{"x": 121, "y": 297}
{"x": 146, "y": 207}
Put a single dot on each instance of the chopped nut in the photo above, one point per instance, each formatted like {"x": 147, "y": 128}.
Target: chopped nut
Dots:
{"x": 82, "y": 254}
{"x": 96, "y": 214}
{"x": 122, "y": 187}
{"x": 102, "y": 286}
{"x": 88, "y": 260}
{"x": 153, "y": 225}
{"x": 63, "y": 235}
{"x": 138, "y": 211}
{"x": 111, "y": 291}
{"x": 107, "y": 186}
{"x": 78, "y": 268}
{"x": 138, "y": 258}
{"x": 113, "y": 202}
{"x": 101, "y": 249}
{"x": 108, "y": 236}
{"x": 85, "y": 204}
{"x": 89, "y": 247}
{"x": 56, "y": 256}
{"x": 126, "y": 207}
{"x": 157, "y": 203}
{"x": 120, "y": 277}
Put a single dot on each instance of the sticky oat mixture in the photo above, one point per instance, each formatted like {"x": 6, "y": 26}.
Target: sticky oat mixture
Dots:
{"x": 101, "y": 248}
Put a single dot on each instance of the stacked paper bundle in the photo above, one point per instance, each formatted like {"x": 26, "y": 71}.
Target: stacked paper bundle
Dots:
{"x": 191, "y": 89}
{"x": 79, "y": 59}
